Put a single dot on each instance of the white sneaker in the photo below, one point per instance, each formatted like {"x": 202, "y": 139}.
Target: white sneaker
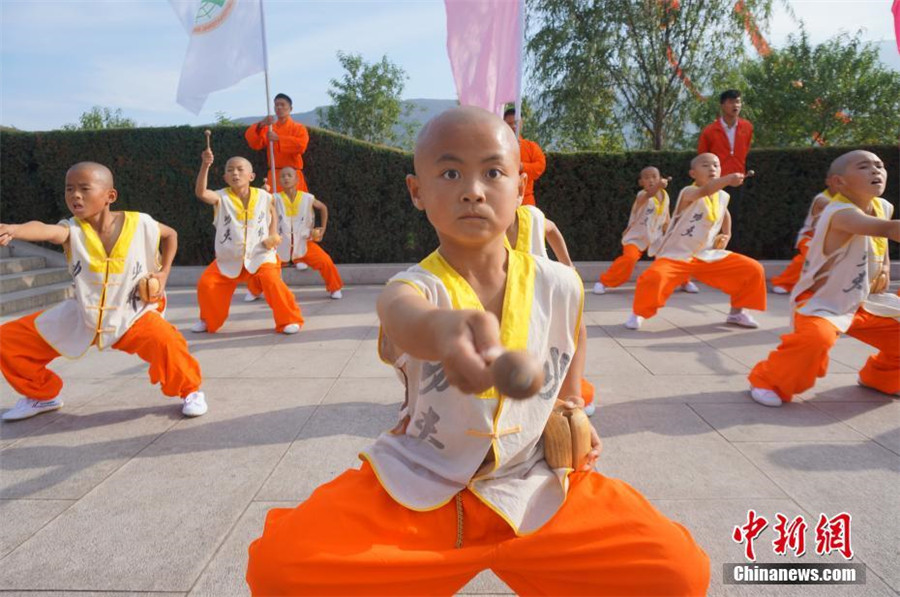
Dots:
{"x": 742, "y": 319}
{"x": 337, "y": 294}
{"x": 689, "y": 287}
{"x": 765, "y": 397}
{"x": 26, "y": 408}
{"x": 590, "y": 409}
{"x": 291, "y": 328}
{"x": 199, "y": 327}
{"x": 194, "y": 404}
{"x": 301, "y": 266}
{"x": 780, "y": 290}
{"x": 634, "y": 322}
{"x": 599, "y": 288}
{"x": 250, "y": 297}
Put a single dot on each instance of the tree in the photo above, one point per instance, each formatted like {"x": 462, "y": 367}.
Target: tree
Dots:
{"x": 100, "y": 117}
{"x": 834, "y": 93}
{"x": 222, "y": 119}
{"x": 603, "y": 66}
{"x": 366, "y": 102}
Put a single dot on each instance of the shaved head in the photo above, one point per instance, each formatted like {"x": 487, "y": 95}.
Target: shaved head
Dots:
{"x": 289, "y": 169}
{"x": 238, "y": 158}
{"x": 697, "y": 159}
{"x": 650, "y": 170}
{"x": 840, "y": 165}
{"x": 100, "y": 173}
{"x": 460, "y": 119}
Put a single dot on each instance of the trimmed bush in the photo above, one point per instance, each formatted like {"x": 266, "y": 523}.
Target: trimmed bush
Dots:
{"x": 371, "y": 218}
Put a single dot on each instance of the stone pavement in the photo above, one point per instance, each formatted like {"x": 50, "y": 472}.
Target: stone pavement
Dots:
{"x": 117, "y": 494}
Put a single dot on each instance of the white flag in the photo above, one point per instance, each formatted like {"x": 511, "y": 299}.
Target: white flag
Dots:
{"x": 226, "y": 46}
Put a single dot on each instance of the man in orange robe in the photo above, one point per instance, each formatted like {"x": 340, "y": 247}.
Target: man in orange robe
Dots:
{"x": 290, "y": 139}
{"x": 533, "y": 161}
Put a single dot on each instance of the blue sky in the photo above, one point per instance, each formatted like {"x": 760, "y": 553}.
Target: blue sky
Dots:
{"x": 59, "y": 58}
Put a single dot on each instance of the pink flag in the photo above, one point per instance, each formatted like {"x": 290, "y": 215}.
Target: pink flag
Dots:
{"x": 896, "y": 11}
{"x": 484, "y": 42}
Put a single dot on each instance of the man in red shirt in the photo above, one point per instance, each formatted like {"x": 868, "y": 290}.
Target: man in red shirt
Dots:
{"x": 290, "y": 138}
{"x": 533, "y": 161}
{"x": 729, "y": 136}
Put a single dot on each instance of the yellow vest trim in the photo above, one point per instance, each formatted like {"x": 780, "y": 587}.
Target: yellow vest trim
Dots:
{"x": 116, "y": 259}
{"x": 523, "y": 238}
{"x": 244, "y": 214}
{"x": 659, "y": 204}
{"x": 291, "y": 206}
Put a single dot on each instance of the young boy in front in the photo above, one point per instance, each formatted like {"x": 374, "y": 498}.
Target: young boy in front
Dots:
{"x": 843, "y": 289}
{"x": 461, "y": 484}
{"x": 299, "y": 236}
{"x": 109, "y": 253}
{"x": 646, "y": 224}
{"x": 245, "y": 222}
{"x": 694, "y": 247}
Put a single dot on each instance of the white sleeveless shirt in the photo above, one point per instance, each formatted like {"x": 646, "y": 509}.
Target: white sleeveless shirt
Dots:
{"x": 809, "y": 224}
{"x": 106, "y": 301}
{"x": 442, "y": 443}
{"x": 295, "y": 223}
{"x": 646, "y": 225}
{"x": 691, "y": 233}
{"x": 840, "y": 280}
{"x": 240, "y": 232}
{"x": 531, "y": 236}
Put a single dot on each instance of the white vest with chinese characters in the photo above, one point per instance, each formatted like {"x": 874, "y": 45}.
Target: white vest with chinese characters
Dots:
{"x": 447, "y": 440}
{"x": 531, "y": 236}
{"x": 106, "y": 300}
{"x": 691, "y": 233}
{"x": 646, "y": 225}
{"x": 295, "y": 222}
{"x": 240, "y": 232}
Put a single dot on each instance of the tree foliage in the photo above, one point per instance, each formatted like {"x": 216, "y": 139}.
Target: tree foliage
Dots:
{"x": 101, "y": 117}
{"x": 366, "y": 102}
{"x": 599, "y": 67}
{"x": 834, "y": 93}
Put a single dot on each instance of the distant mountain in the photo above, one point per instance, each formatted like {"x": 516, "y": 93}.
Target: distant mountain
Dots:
{"x": 422, "y": 111}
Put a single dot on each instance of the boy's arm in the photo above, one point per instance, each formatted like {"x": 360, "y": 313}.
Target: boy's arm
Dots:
{"x": 457, "y": 339}
{"x": 818, "y": 205}
{"x": 168, "y": 247}
{"x": 853, "y": 221}
{"x": 724, "y": 235}
{"x": 34, "y": 231}
{"x": 557, "y": 243}
{"x": 203, "y": 193}
{"x": 323, "y": 214}
{"x": 691, "y": 194}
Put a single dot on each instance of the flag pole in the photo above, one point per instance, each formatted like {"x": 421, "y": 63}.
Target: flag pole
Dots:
{"x": 520, "y": 68}
{"x": 262, "y": 19}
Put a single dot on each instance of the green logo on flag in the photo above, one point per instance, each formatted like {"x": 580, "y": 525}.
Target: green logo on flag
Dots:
{"x": 211, "y": 14}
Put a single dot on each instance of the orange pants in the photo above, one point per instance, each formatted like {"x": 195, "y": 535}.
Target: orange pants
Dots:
{"x": 791, "y": 274}
{"x": 802, "y": 355}
{"x": 620, "y": 270}
{"x": 24, "y": 356}
{"x": 351, "y": 538}
{"x": 319, "y": 260}
{"x": 214, "y": 292}
{"x": 740, "y": 277}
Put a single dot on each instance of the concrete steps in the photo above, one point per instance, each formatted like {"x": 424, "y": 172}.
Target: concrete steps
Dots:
{"x": 27, "y": 282}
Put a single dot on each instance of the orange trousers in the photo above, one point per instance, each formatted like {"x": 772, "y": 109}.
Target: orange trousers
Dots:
{"x": 24, "y": 356}
{"x": 740, "y": 277}
{"x": 802, "y": 355}
{"x": 214, "y": 292}
{"x": 791, "y": 274}
{"x": 620, "y": 270}
{"x": 319, "y": 260}
{"x": 351, "y": 538}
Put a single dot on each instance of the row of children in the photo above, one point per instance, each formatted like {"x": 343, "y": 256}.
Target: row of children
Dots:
{"x": 112, "y": 254}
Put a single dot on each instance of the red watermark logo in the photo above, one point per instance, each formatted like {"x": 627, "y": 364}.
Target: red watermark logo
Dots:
{"x": 831, "y": 534}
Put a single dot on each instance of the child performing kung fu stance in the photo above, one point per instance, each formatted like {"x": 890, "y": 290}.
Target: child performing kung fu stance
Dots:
{"x": 646, "y": 224}
{"x": 111, "y": 255}
{"x": 843, "y": 289}
{"x": 299, "y": 236}
{"x": 694, "y": 247}
{"x": 461, "y": 483}
{"x": 245, "y": 224}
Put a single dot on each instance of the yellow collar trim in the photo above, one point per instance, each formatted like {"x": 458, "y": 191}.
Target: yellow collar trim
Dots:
{"x": 526, "y": 221}
{"x": 291, "y": 205}
{"x": 659, "y": 204}
{"x": 517, "y": 300}
{"x": 244, "y": 214}
{"x": 99, "y": 260}
{"x": 879, "y": 243}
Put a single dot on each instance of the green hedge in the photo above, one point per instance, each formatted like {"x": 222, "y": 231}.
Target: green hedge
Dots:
{"x": 371, "y": 218}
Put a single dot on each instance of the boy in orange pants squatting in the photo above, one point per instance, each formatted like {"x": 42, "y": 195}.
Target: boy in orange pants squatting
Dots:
{"x": 646, "y": 224}
{"x": 531, "y": 232}
{"x": 245, "y": 224}
{"x": 299, "y": 237}
{"x": 694, "y": 247}
{"x": 784, "y": 282}
{"x": 109, "y": 253}
{"x": 461, "y": 484}
{"x": 843, "y": 289}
